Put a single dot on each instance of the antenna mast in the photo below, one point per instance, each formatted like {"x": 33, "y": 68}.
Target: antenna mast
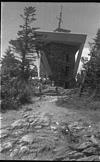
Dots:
{"x": 60, "y": 18}
{"x": 59, "y": 29}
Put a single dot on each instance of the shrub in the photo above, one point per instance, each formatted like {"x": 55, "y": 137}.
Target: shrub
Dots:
{"x": 24, "y": 92}
{"x": 14, "y": 90}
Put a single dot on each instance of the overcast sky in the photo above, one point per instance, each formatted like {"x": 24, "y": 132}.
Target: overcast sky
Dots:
{"x": 82, "y": 18}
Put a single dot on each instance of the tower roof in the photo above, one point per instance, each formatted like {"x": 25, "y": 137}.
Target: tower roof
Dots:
{"x": 62, "y": 37}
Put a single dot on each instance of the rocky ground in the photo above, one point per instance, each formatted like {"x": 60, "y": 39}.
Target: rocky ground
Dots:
{"x": 54, "y": 127}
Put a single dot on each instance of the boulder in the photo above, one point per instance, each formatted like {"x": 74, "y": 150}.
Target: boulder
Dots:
{"x": 75, "y": 155}
{"x": 17, "y": 132}
{"x": 19, "y": 123}
{"x": 14, "y": 152}
{"x": 4, "y": 133}
{"x": 30, "y": 119}
{"x": 38, "y": 127}
{"x": 28, "y": 138}
{"x": 35, "y": 122}
{"x": 72, "y": 153}
{"x": 44, "y": 120}
{"x": 6, "y": 146}
{"x": 84, "y": 146}
{"x": 90, "y": 158}
{"x": 89, "y": 151}
{"x": 24, "y": 149}
{"x": 94, "y": 140}
{"x": 25, "y": 115}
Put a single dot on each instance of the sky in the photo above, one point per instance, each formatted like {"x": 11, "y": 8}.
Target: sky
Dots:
{"x": 82, "y": 18}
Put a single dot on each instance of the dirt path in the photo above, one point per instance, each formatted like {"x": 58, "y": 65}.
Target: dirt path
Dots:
{"x": 38, "y": 131}
{"x": 68, "y": 111}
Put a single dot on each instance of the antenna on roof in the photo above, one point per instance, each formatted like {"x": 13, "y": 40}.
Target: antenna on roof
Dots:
{"x": 60, "y": 18}
{"x": 60, "y": 21}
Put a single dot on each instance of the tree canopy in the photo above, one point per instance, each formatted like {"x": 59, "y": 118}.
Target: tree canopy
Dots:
{"x": 92, "y": 67}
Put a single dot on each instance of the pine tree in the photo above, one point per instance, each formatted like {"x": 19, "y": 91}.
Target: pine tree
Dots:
{"x": 10, "y": 64}
{"x": 92, "y": 79}
{"x": 9, "y": 71}
{"x": 24, "y": 45}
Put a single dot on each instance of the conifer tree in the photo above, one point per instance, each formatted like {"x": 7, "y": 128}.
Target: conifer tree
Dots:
{"x": 24, "y": 45}
{"x": 9, "y": 71}
{"x": 92, "y": 79}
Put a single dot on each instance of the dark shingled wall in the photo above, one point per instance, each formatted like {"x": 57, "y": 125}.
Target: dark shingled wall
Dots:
{"x": 61, "y": 58}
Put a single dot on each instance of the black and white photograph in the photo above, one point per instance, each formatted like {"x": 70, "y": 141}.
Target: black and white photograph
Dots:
{"x": 50, "y": 81}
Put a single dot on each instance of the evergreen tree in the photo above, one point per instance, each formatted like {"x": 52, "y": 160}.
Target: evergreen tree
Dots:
{"x": 24, "y": 45}
{"x": 9, "y": 72}
{"x": 92, "y": 79}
